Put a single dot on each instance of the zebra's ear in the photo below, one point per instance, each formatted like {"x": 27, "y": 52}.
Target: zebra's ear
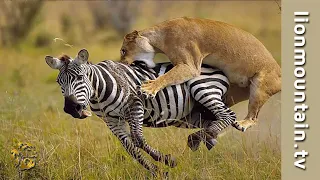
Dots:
{"x": 82, "y": 56}
{"x": 54, "y": 63}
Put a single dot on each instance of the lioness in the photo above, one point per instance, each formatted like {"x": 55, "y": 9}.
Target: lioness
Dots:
{"x": 187, "y": 41}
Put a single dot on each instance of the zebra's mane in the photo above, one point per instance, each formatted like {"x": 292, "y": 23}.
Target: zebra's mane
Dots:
{"x": 117, "y": 72}
{"x": 67, "y": 59}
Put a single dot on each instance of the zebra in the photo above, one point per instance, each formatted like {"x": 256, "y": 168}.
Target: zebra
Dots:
{"x": 112, "y": 91}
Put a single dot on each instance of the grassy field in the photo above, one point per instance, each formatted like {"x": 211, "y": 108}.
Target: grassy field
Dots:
{"x": 31, "y": 104}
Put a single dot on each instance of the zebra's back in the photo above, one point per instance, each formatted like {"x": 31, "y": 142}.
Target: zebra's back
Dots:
{"x": 173, "y": 104}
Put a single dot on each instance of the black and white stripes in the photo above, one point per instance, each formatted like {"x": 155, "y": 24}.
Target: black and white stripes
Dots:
{"x": 110, "y": 89}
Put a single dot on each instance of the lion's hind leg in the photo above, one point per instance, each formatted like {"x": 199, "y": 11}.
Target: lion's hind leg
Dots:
{"x": 263, "y": 86}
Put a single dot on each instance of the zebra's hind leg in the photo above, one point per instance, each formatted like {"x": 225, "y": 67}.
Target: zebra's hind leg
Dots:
{"x": 224, "y": 116}
{"x": 135, "y": 118}
{"x": 200, "y": 117}
{"x": 209, "y": 139}
{"x": 194, "y": 140}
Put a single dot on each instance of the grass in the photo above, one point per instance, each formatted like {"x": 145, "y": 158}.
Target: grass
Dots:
{"x": 74, "y": 149}
{"x": 31, "y": 110}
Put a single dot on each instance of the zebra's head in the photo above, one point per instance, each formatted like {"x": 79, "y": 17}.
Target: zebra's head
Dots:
{"x": 74, "y": 82}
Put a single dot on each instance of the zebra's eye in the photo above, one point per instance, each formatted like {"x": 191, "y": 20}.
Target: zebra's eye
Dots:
{"x": 80, "y": 77}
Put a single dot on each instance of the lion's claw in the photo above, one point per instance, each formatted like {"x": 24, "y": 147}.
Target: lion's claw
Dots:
{"x": 243, "y": 125}
{"x": 149, "y": 89}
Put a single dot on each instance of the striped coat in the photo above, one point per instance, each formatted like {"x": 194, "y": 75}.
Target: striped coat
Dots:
{"x": 112, "y": 91}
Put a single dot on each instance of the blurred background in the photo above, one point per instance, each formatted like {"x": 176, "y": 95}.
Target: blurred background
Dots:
{"x": 31, "y": 102}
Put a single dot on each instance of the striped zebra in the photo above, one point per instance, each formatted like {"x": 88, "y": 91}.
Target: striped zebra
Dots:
{"x": 112, "y": 91}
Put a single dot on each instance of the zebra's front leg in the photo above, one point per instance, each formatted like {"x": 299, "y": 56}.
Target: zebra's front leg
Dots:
{"x": 118, "y": 128}
{"x": 135, "y": 119}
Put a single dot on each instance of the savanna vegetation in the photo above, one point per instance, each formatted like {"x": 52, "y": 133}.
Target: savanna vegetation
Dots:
{"x": 31, "y": 103}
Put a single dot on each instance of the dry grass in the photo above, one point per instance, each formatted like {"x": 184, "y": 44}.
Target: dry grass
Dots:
{"x": 31, "y": 106}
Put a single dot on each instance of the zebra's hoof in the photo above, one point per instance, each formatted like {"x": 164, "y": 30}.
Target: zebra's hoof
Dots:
{"x": 194, "y": 142}
{"x": 210, "y": 143}
{"x": 160, "y": 175}
{"x": 165, "y": 175}
{"x": 170, "y": 161}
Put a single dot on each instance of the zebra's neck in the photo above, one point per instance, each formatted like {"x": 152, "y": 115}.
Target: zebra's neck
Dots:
{"x": 107, "y": 80}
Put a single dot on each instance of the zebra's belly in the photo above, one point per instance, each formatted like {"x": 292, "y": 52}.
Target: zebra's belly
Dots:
{"x": 170, "y": 105}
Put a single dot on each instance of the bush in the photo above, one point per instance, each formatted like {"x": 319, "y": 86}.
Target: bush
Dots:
{"x": 66, "y": 23}
{"x": 43, "y": 39}
{"x": 18, "y": 18}
{"x": 120, "y": 15}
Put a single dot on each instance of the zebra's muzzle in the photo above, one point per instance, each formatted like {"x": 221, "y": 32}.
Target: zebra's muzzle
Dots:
{"x": 76, "y": 110}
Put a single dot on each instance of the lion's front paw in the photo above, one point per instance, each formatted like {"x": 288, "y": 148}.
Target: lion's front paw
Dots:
{"x": 150, "y": 88}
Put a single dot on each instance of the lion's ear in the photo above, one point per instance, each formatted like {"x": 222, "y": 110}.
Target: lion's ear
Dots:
{"x": 132, "y": 36}
{"x": 136, "y": 33}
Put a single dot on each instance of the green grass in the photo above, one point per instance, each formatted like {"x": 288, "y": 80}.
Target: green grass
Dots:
{"x": 31, "y": 111}
{"x": 74, "y": 149}
{"x": 31, "y": 107}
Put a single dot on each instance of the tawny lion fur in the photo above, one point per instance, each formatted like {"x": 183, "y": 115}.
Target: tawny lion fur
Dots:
{"x": 188, "y": 42}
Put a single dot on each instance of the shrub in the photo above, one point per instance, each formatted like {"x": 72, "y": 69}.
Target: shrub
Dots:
{"x": 18, "y": 18}
{"x": 43, "y": 39}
